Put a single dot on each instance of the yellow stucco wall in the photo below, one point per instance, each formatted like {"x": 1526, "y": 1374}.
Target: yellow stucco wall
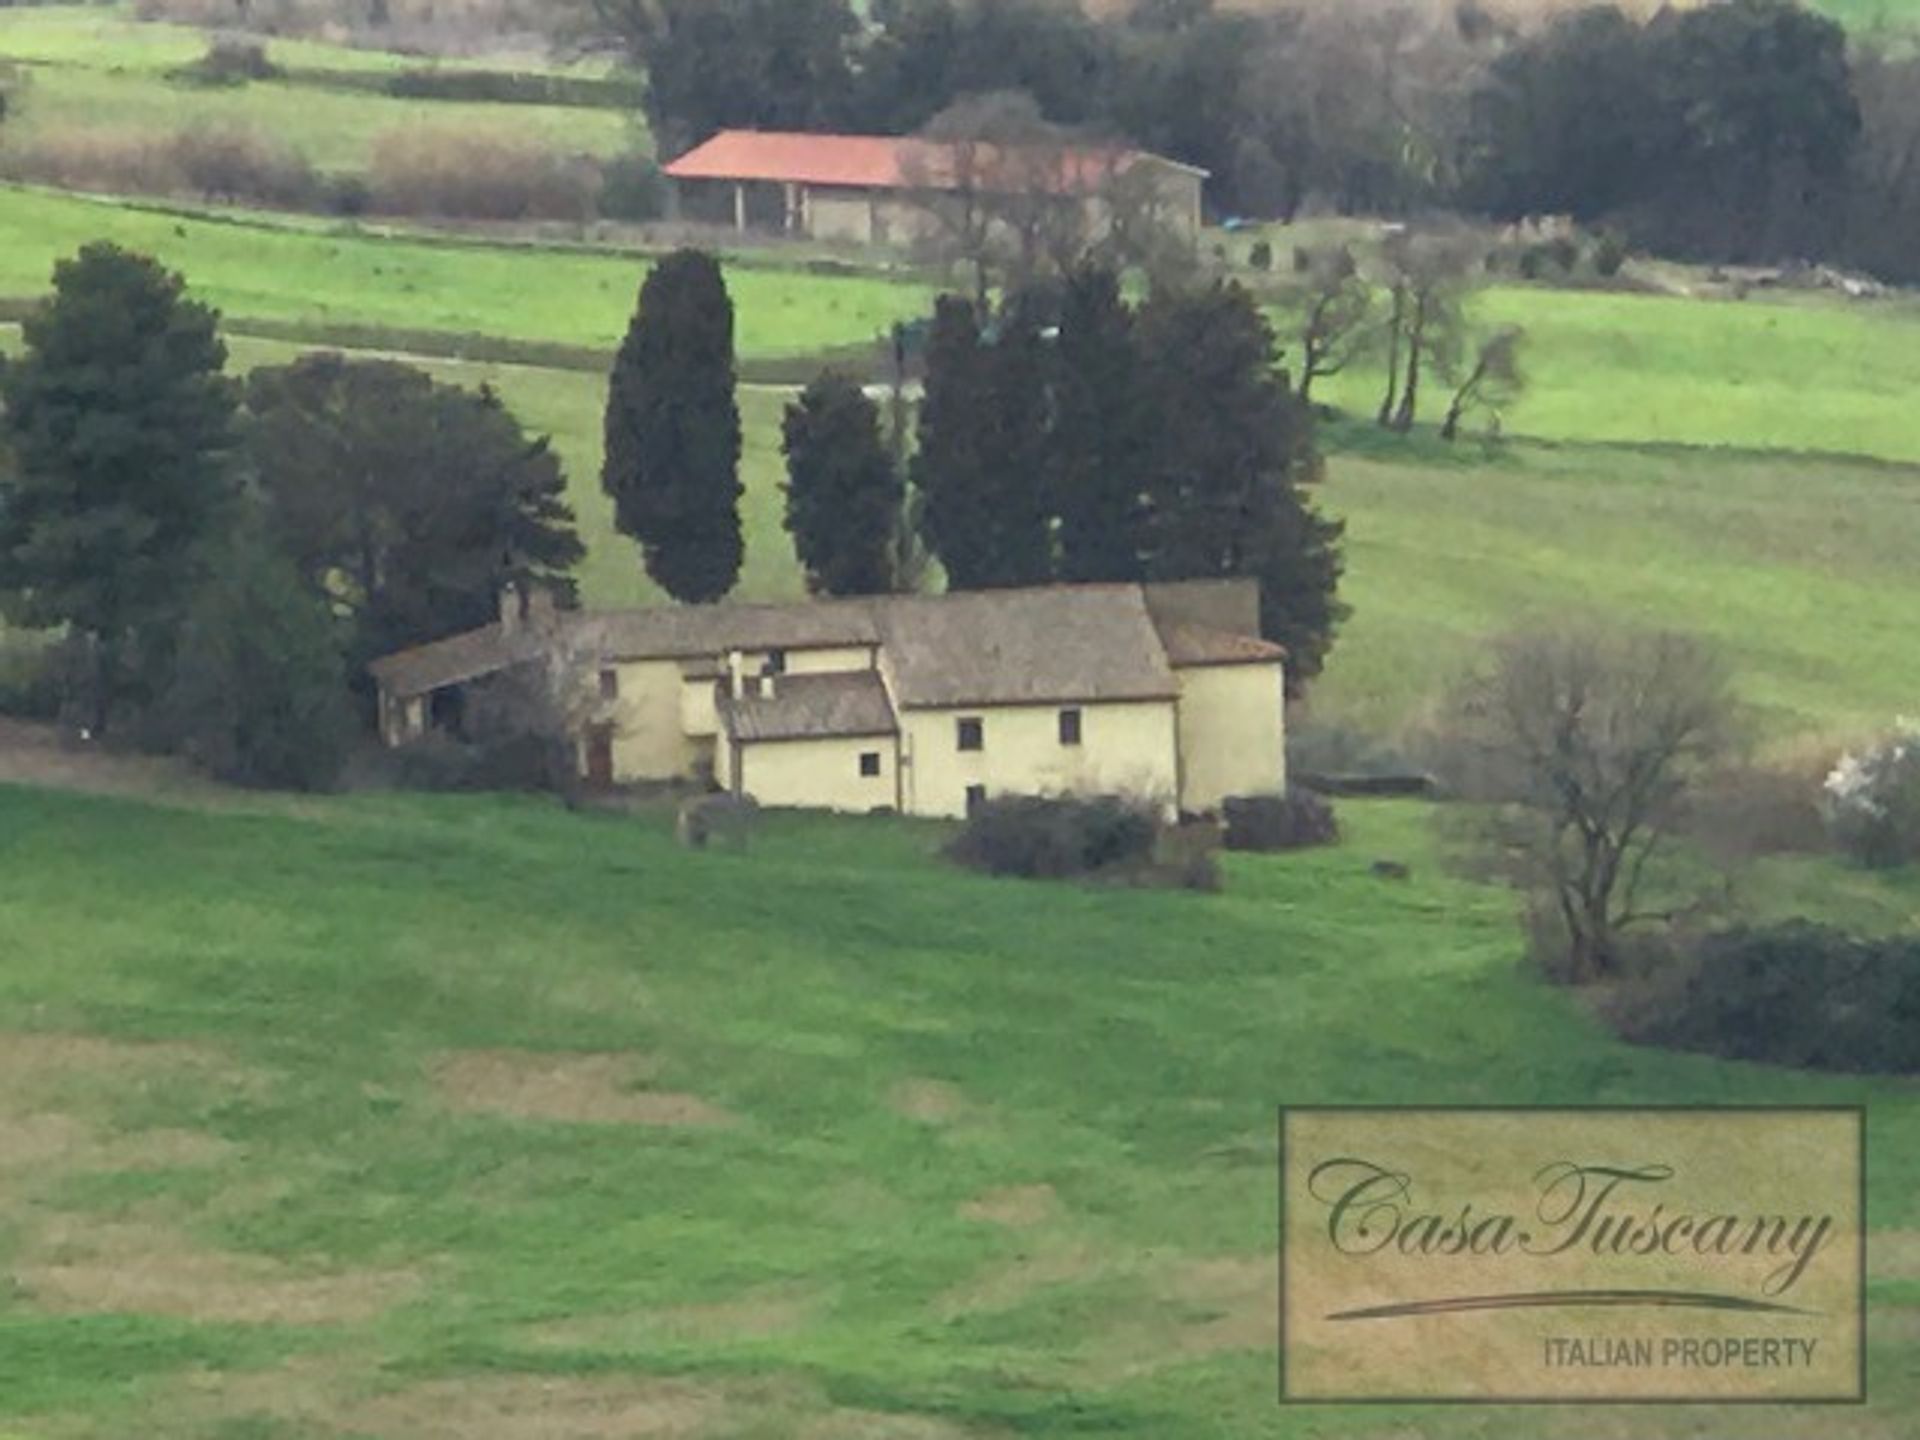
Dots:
{"x": 1233, "y": 738}
{"x": 650, "y": 741}
{"x": 1126, "y": 748}
{"x": 815, "y": 774}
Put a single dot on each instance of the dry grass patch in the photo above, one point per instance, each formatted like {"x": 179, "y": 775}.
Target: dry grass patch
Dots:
{"x": 78, "y": 1267}
{"x": 931, "y": 1102}
{"x": 748, "y": 1317}
{"x": 1002, "y": 1287}
{"x": 1016, "y": 1206}
{"x": 541, "y": 1408}
{"x": 877, "y": 1425}
{"x": 566, "y": 1089}
{"x": 1196, "y": 1308}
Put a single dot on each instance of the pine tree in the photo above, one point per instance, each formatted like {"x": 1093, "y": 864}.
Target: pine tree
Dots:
{"x": 1101, "y": 440}
{"x": 672, "y": 461}
{"x": 120, "y": 426}
{"x": 1232, "y": 447}
{"x": 843, "y": 493}
{"x": 983, "y": 450}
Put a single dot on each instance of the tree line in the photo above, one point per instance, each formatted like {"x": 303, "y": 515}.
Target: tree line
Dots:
{"x": 223, "y": 557}
{"x": 1744, "y": 130}
{"x": 1065, "y": 435}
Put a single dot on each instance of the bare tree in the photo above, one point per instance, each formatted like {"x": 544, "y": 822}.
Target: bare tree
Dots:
{"x": 1334, "y": 317}
{"x": 1493, "y": 380}
{"x": 1591, "y": 741}
{"x": 1426, "y": 325}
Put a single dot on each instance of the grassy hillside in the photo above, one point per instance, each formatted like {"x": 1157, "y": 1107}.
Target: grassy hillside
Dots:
{"x": 89, "y": 68}
{"x": 314, "y": 274}
{"x": 543, "y": 1126}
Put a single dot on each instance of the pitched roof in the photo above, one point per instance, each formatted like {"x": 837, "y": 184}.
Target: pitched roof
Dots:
{"x": 1188, "y": 645}
{"x": 885, "y": 162}
{"x": 811, "y": 707}
{"x": 983, "y": 647}
{"x": 1024, "y": 647}
{"x": 458, "y": 658}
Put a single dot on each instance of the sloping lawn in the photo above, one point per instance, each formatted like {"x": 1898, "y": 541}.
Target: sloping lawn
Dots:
{"x": 382, "y": 1115}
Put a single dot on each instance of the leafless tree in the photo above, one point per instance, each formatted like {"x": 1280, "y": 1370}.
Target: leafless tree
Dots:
{"x": 1493, "y": 380}
{"x": 1428, "y": 276}
{"x": 1334, "y": 314}
{"x": 1589, "y": 741}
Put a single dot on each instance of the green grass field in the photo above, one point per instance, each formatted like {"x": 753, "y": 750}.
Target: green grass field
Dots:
{"x": 302, "y": 273}
{"x": 89, "y": 68}
{"x": 410, "y": 1117}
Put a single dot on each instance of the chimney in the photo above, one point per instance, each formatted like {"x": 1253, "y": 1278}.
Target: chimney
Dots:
{"x": 736, "y": 675}
{"x": 513, "y": 606}
{"x": 767, "y": 686}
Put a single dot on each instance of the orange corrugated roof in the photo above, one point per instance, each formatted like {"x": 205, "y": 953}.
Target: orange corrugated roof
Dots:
{"x": 868, "y": 162}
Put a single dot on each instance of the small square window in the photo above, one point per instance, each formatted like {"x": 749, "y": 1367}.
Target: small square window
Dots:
{"x": 976, "y": 797}
{"x": 1069, "y": 727}
{"x": 776, "y": 663}
{"x": 972, "y": 733}
{"x": 869, "y": 763}
{"x": 609, "y": 684}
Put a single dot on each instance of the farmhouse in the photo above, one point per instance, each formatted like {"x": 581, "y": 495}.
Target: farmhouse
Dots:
{"x": 921, "y": 704}
{"x": 881, "y": 189}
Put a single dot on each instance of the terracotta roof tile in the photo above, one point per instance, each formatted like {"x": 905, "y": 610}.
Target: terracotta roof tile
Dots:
{"x": 879, "y": 162}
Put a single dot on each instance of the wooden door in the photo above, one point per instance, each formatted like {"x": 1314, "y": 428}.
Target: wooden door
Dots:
{"x": 600, "y": 757}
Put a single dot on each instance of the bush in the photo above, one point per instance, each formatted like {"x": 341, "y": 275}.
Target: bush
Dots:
{"x": 1047, "y": 838}
{"x": 32, "y": 676}
{"x": 1297, "y": 820}
{"x": 1749, "y": 811}
{"x": 230, "y": 60}
{"x": 258, "y": 694}
{"x": 216, "y": 162}
{"x": 477, "y": 176}
{"x": 439, "y": 762}
{"x": 1609, "y": 254}
{"x": 1260, "y": 257}
{"x": 1796, "y": 994}
{"x": 1872, "y": 800}
{"x": 632, "y": 188}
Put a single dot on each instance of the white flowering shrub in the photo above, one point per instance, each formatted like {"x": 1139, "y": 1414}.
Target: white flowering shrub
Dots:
{"x": 1872, "y": 799}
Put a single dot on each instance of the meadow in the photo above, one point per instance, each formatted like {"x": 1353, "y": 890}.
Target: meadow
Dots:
{"x": 89, "y": 68}
{"x": 543, "y": 1125}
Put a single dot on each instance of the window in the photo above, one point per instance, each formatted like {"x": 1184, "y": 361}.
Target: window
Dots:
{"x": 976, "y": 797}
{"x": 776, "y": 663}
{"x": 1069, "y": 727}
{"x": 609, "y": 684}
{"x": 972, "y": 733}
{"x": 870, "y": 763}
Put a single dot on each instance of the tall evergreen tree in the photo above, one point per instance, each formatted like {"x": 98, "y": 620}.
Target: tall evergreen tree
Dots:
{"x": 1100, "y": 444}
{"x": 843, "y": 492}
{"x": 1232, "y": 446}
{"x": 672, "y": 461}
{"x": 411, "y": 503}
{"x": 120, "y": 426}
{"x": 980, "y": 467}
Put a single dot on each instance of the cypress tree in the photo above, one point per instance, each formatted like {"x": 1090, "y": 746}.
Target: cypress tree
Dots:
{"x": 672, "y": 463}
{"x": 983, "y": 450}
{"x": 843, "y": 492}
{"x": 1101, "y": 438}
{"x": 1233, "y": 445}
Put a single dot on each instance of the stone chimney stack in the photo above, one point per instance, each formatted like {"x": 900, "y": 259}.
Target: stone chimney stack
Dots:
{"x": 513, "y": 606}
{"x": 736, "y": 675}
{"x": 767, "y": 685}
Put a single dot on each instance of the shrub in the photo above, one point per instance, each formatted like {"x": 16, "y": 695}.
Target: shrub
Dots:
{"x": 1872, "y": 800}
{"x": 1750, "y": 811}
{"x": 632, "y": 188}
{"x": 439, "y": 762}
{"x": 1795, "y": 994}
{"x": 230, "y": 60}
{"x": 228, "y": 162}
{"x": 1609, "y": 254}
{"x": 258, "y": 694}
{"x": 1049, "y": 838}
{"x": 1297, "y": 820}
{"x": 31, "y": 676}
{"x": 1260, "y": 257}
{"x": 478, "y": 176}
